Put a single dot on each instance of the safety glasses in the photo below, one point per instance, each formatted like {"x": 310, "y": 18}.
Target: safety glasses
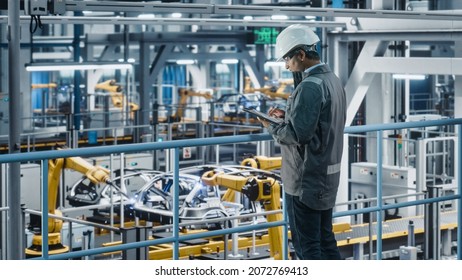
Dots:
{"x": 290, "y": 55}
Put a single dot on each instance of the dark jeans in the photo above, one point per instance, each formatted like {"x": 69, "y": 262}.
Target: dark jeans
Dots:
{"x": 311, "y": 231}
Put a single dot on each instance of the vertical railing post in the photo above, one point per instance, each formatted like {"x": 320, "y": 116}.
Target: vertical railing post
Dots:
{"x": 175, "y": 194}
{"x": 44, "y": 209}
{"x": 123, "y": 188}
{"x": 285, "y": 232}
{"x": 459, "y": 192}
{"x": 432, "y": 224}
{"x": 379, "y": 194}
{"x": 421, "y": 170}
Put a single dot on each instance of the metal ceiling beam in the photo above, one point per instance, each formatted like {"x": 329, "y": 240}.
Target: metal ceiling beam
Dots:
{"x": 360, "y": 79}
{"x": 201, "y": 37}
{"x": 141, "y": 7}
{"x": 430, "y": 36}
{"x": 333, "y": 12}
{"x": 415, "y": 65}
{"x": 359, "y": 24}
{"x": 173, "y": 21}
{"x": 368, "y": 65}
{"x": 207, "y": 56}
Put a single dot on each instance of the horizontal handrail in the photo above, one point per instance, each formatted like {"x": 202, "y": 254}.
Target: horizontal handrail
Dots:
{"x": 401, "y": 125}
{"x": 140, "y": 147}
{"x": 131, "y": 148}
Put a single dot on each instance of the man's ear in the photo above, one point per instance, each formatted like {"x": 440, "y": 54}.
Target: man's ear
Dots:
{"x": 302, "y": 55}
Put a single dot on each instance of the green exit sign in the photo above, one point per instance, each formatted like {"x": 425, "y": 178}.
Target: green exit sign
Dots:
{"x": 265, "y": 35}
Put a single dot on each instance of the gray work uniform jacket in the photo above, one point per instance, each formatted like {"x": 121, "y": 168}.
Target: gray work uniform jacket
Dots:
{"x": 311, "y": 138}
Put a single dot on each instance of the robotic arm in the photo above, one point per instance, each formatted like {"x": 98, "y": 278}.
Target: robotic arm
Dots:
{"x": 263, "y": 162}
{"x": 96, "y": 174}
{"x": 50, "y": 85}
{"x": 115, "y": 92}
{"x": 184, "y": 94}
{"x": 271, "y": 92}
{"x": 258, "y": 188}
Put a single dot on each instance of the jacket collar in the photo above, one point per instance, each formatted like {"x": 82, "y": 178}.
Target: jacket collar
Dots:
{"x": 317, "y": 69}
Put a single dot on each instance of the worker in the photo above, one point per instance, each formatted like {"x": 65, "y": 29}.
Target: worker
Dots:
{"x": 311, "y": 139}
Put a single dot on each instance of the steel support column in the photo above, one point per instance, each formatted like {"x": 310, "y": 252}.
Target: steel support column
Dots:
{"x": 15, "y": 248}
{"x": 360, "y": 78}
{"x": 78, "y": 31}
{"x": 458, "y": 83}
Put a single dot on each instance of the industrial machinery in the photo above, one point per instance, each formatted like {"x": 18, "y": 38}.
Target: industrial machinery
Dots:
{"x": 263, "y": 189}
{"x": 198, "y": 202}
{"x": 184, "y": 94}
{"x": 49, "y": 85}
{"x": 85, "y": 192}
{"x": 230, "y": 107}
{"x": 117, "y": 96}
{"x": 200, "y": 188}
{"x": 53, "y": 106}
{"x": 272, "y": 92}
{"x": 398, "y": 183}
{"x": 95, "y": 173}
{"x": 113, "y": 112}
{"x": 263, "y": 162}
{"x": 53, "y": 103}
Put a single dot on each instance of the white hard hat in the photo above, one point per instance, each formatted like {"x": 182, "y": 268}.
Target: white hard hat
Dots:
{"x": 293, "y": 36}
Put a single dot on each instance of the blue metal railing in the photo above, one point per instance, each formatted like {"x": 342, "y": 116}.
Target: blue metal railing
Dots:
{"x": 44, "y": 156}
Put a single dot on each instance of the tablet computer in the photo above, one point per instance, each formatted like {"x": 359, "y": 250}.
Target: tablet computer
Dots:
{"x": 264, "y": 116}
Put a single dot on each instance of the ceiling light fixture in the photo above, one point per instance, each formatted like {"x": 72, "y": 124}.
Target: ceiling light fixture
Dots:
{"x": 275, "y": 63}
{"x": 129, "y": 60}
{"x": 279, "y": 17}
{"x": 230, "y": 61}
{"x": 185, "y": 62}
{"x": 418, "y": 77}
{"x": 147, "y": 16}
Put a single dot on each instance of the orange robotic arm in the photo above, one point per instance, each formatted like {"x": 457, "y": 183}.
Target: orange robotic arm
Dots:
{"x": 263, "y": 162}
{"x": 96, "y": 174}
{"x": 262, "y": 189}
{"x": 184, "y": 95}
